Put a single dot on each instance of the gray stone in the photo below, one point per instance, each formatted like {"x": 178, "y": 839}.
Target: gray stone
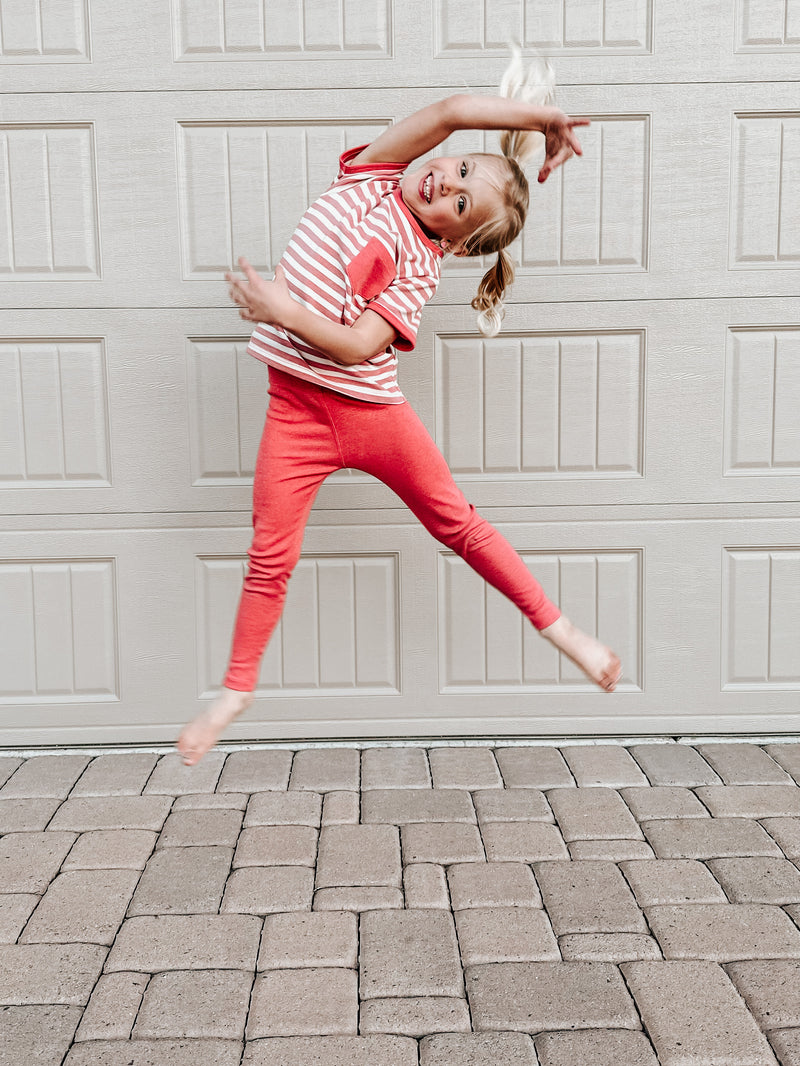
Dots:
{"x": 210, "y": 801}
{"x": 113, "y": 1007}
{"x": 48, "y": 973}
{"x": 786, "y": 833}
{"x": 332, "y": 1051}
{"x": 29, "y": 861}
{"x": 724, "y": 932}
{"x": 708, "y": 838}
{"x": 787, "y": 756}
{"x": 607, "y": 947}
{"x": 186, "y": 942}
{"x": 284, "y": 808}
{"x": 401, "y": 806}
{"x": 8, "y": 764}
{"x": 359, "y": 856}
{"x": 358, "y": 899}
{"x": 394, "y": 768}
{"x": 326, "y": 770}
{"x": 505, "y": 934}
{"x": 758, "y": 880}
{"x": 533, "y": 767}
{"x": 341, "y": 808}
{"x": 309, "y": 939}
{"x": 512, "y": 805}
{"x": 44, "y": 776}
{"x": 155, "y": 1053}
{"x": 26, "y": 815}
{"x": 172, "y": 777}
{"x": 534, "y": 997}
{"x": 201, "y": 828}
{"x": 693, "y": 1014}
{"x": 664, "y": 801}
{"x": 671, "y": 881}
{"x": 277, "y": 845}
{"x": 183, "y": 881}
{"x": 478, "y": 1049}
{"x": 112, "y": 812}
{"x": 82, "y": 906}
{"x": 116, "y": 775}
{"x": 602, "y": 764}
{"x": 787, "y": 1045}
{"x": 592, "y": 814}
{"x": 188, "y": 1003}
{"x": 464, "y": 768}
{"x": 409, "y": 953}
{"x": 15, "y": 910}
{"x": 36, "y": 1036}
{"x": 442, "y": 843}
{"x": 751, "y": 801}
{"x": 588, "y": 897}
{"x": 268, "y": 890}
{"x": 610, "y": 850}
{"x": 743, "y": 764}
{"x": 494, "y": 884}
{"x": 313, "y": 1002}
{"x": 425, "y": 886}
{"x": 673, "y": 764}
{"x": 263, "y": 770}
{"x": 415, "y": 1016}
{"x": 602, "y": 1047}
{"x": 523, "y": 841}
{"x": 111, "y": 849}
{"x": 771, "y": 990}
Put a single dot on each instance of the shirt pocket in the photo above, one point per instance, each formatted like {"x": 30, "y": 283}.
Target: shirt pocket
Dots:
{"x": 372, "y": 270}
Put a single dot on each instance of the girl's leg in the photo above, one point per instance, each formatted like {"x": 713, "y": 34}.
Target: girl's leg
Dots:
{"x": 296, "y": 454}
{"x": 406, "y": 459}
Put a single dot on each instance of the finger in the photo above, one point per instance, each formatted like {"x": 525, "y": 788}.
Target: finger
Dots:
{"x": 248, "y": 269}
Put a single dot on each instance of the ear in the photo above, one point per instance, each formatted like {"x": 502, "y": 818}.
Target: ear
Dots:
{"x": 460, "y": 251}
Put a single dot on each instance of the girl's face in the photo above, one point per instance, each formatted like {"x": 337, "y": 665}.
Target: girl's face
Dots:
{"x": 452, "y": 196}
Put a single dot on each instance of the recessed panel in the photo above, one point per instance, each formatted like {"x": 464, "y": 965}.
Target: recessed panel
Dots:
{"x": 244, "y": 187}
{"x": 44, "y": 31}
{"x": 761, "y": 618}
{"x": 564, "y": 27}
{"x": 282, "y": 29}
{"x": 338, "y": 633}
{"x": 556, "y": 405}
{"x": 762, "y": 400}
{"x": 54, "y": 414}
{"x": 765, "y": 222}
{"x": 48, "y": 203}
{"x": 58, "y": 632}
{"x": 486, "y": 644}
{"x": 768, "y": 26}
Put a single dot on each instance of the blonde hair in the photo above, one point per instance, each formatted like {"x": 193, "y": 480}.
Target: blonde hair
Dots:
{"x": 534, "y": 85}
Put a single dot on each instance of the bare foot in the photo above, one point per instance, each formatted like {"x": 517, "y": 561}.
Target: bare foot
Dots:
{"x": 598, "y": 662}
{"x": 202, "y": 733}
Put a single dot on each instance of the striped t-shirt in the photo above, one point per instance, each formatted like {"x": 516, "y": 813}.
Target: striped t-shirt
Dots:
{"x": 357, "y": 247}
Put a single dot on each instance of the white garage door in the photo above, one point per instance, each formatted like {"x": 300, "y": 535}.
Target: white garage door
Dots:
{"x": 634, "y": 430}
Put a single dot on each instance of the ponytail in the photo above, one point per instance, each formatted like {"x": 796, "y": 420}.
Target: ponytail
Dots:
{"x": 533, "y": 85}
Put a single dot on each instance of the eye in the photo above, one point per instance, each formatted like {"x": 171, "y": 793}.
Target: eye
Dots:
{"x": 463, "y": 170}
{"x": 462, "y": 203}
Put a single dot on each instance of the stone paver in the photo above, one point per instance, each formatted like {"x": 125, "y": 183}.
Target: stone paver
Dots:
{"x": 256, "y": 771}
{"x": 471, "y": 903}
{"x": 771, "y": 990}
{"x": 724, "y": 932}
{"x": 36, "y": 1036}
{"x": 394, "y": 768}
{"x": 535, "y": 997}
{"x": 603, "y": 764}
{"x": 116, "y": 775}
{"x": 312, "y": 1002}
{"x": 415, "y": 1015}
{"x": 409, "y": 953}
{"x": 188, "y": 1003}
{"x": 694, "y": 1015}
{"x": 603, "y": 1047}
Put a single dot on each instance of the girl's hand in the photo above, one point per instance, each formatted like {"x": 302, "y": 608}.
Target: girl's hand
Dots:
{"x": 560, "y": 140}
{"x": 260, "y": 300}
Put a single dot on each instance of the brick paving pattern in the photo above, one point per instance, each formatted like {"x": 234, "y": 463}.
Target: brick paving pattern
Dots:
{"x": 484, "y": 905}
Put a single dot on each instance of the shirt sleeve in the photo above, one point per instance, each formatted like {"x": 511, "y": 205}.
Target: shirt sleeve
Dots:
{"x": 401, "y": 305}
{"x": 348, "y": 169}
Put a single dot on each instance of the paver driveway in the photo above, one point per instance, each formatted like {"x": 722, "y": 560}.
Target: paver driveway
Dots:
{"x": 480, "y": 905}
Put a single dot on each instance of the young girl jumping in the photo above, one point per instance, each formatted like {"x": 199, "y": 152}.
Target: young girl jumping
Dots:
{"x": 346, "y": 296}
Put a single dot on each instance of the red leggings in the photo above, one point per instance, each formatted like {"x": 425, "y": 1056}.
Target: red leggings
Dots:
{"x": 311, "y": 432}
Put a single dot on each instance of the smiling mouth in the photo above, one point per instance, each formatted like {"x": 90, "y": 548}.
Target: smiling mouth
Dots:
{"x": 426, "y": 188}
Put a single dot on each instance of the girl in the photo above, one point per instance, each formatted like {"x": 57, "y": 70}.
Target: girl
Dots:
{"x": 346, "y": 296}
